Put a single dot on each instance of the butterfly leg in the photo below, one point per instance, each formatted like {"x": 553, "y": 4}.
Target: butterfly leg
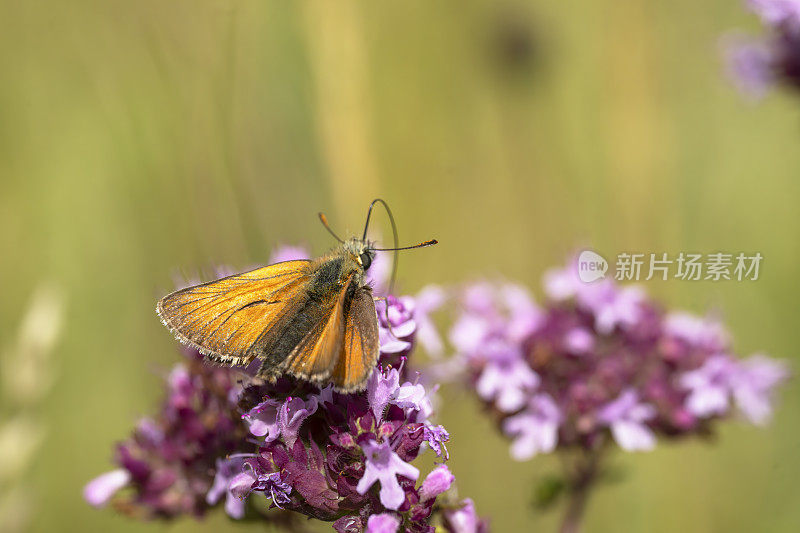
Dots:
{"x": 386, "y": 312}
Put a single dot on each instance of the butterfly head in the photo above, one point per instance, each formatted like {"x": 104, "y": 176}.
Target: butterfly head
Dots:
{"x": 362, "y": 250}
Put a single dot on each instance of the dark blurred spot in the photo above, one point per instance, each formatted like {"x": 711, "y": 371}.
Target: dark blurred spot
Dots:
{"x": 515, "y": 46}
{"x": 788, "y": 62}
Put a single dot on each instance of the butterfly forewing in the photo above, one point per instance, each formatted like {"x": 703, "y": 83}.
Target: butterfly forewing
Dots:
{"x": 225, "y": 318}
{"x": 360, "y": 349}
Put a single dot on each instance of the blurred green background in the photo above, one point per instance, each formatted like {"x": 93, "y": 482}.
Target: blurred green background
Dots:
{"x": 138, "y": 139}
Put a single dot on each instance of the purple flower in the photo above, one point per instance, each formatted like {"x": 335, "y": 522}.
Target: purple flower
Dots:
{"x": 754, "y": 384}
{"x": 327, "y": 466}
{"x": 412, "y": 396}
{"x": 468, "y": 334}
{"x": 498, "y": 314}
{"x": 525, "y": 317}
{"x": 535, "y": 428}
{"x": 480, "y": 298}
{"x": 379, "y": 273}
{"x": 384, "y": 465}
{"x": 439, "y": 480}
{"x": 150, "y": 430}
{"x": 171, "y": 458}
{"x": 611, "y": 306}
{"x": 627, "y": 416}
{"x": 276, "y": 488}
{"x": 401, "y": 321}
{"x": 396, "y": 325}
{"x": 347, "y": 442}
{"x": 400, "y": 316}
{"x": 436, "y": 436}
{"x": 263, "y": 419}
{"x": 756, "y": 64}
{"x": 254, "y": 478}
{"x": 596, "y": 361}
{"x": 579, "y": 341}
{"x": 382, "y": 388}
{"x": 292, "y": 414}
{"x": 383, "y": 523}
{"x": 464, "y": 519}
{"x": 180, "y": 385}
{"x": 777, "y": 12}
{"x": 749, "y": 64}
{"x": 271, "y": 419}
{"x": 349, "y": 524}
{"x": 101, "y": 489}
{"x": 325, "y": 395}
{"x": 597, "y": 358}
{"x": 702, "y": 334}
{"x": 227, "y": 469}
{"x": 310, "y": 451}
{"x": 428, "y": 300}
{"x": 563, "y": 283}
{"x": 506, "y": 378}
{"x": 241, "y": 485}
{"x": 709, "y": 386}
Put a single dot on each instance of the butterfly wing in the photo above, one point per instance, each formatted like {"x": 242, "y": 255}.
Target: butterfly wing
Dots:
{"x": 361, "y": 346}
{"x": 224, "y": 319}
{"x": 315, "y": 356}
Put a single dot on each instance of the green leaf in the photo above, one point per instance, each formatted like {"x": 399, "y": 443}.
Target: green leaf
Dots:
{"x": 547, "y": 491}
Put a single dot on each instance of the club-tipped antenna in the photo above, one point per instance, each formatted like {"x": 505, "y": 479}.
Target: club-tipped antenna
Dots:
{"x": 394, "y": 235}
{"x": 324, "y": 221}
{"x": 420, "y": 245}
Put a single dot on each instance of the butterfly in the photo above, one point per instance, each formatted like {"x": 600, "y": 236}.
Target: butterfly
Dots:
{"x": 312, "y": 319}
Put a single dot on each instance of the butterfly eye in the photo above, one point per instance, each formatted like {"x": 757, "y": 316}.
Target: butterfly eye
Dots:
{"x": 366, "y": 260}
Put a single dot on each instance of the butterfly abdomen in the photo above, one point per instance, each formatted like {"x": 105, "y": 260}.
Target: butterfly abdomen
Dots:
{"x": 292, "y": 333}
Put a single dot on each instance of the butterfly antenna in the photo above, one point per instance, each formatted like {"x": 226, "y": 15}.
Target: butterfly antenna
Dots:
{"x": 324, "y": 221}
{"x": 420, "y": 245}
{"x": 394, "y": 235}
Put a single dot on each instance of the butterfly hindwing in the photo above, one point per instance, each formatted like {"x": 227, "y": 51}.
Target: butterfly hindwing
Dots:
{"x": 361, "y": 347}
{"x": 224, "y": 319}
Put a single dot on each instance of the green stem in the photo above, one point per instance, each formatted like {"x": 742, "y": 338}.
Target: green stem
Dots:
{"x": 580, "y": 483}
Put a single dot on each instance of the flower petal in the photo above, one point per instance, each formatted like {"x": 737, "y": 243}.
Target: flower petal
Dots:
{"x": 383, "y": 523}
{"x": 101, "y": 489}
{"x": 632, "y": 436}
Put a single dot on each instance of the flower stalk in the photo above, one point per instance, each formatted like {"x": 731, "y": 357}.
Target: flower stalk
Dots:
{"x": 581, "y": 480}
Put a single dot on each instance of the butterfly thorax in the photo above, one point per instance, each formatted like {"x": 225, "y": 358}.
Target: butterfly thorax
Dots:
{"x": 345, "y": 264}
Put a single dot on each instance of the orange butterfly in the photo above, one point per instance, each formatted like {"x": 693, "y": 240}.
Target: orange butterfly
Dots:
{"x": 314, "y": 320}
